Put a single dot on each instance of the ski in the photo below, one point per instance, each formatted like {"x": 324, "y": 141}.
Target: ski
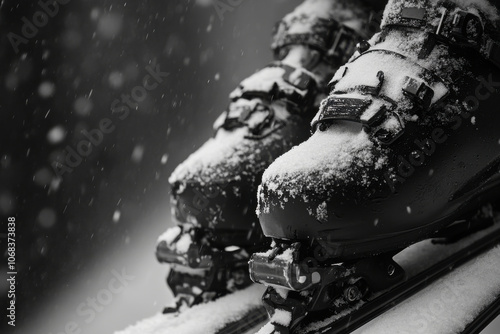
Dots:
{"x": 400, "y": 293}
{"x": 484, "y": 318}
{"x": 348, "y": 320}
{"x": 246, "y": 323}
{"x": 242, "y": 312}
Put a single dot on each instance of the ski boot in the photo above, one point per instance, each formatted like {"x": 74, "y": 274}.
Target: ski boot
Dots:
{"x": 405, "y": 147}
{"x": 214, "y": 190}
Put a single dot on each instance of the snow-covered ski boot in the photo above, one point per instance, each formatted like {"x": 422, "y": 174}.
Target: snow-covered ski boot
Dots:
{"x": 405, "y": 147}
{"x": 214, "y": 190}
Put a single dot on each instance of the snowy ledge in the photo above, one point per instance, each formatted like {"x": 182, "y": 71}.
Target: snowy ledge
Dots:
{"x": 204, "y": 318}
{"x": 448, "y": 305}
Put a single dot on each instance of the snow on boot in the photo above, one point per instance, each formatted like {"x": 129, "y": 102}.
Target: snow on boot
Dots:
{"x": 405, "y": 145}
{"x": 214, "y": 190}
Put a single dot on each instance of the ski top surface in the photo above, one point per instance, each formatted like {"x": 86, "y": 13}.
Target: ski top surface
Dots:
{"x": 462, "y": 302}
{"x": 484, "y": 318}
{"x": 424, "y": 264}
{"x": 232, "y": 314}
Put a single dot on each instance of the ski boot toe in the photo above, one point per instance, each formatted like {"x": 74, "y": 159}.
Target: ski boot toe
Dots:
{"x": 215, "y": 187}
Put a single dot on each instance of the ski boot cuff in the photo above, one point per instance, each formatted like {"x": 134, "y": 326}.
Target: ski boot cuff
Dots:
{"x": 316, "y": 25}
{"x": 471, "y": 28}
{"x": 425, "y": 60}
{"x": 263, "y": 102}
{"x": 333, "y": 28}
{"x": 296, "y": 87}
{"x": 335, "y": 41}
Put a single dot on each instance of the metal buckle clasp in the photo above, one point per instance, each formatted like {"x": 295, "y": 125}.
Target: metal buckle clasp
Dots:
{"x": 258, "y": 129}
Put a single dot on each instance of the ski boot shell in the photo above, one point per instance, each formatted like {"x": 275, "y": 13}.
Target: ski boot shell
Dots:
{"x": 405, "y": 144}
{"x": 214, "y": 190}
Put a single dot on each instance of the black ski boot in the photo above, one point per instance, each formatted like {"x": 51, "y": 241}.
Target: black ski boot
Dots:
{"x": 214, "y": 190}
{"x": 405, "y": 145}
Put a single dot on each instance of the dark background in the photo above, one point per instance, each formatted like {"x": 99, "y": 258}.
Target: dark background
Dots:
{"x": 106, "y": 214}
{"x": 74, "y": 230}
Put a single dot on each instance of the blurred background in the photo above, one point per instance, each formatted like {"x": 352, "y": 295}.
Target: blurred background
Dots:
{"x": 84, "y": 216}
{"x": 61, "y": 74}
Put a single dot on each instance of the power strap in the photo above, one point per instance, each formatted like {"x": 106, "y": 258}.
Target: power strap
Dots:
{"x": 335, "y": 41}
{"x": 338, "y": 108}
{"x": 460, "y": 30}
{"x": 294, "y": 86}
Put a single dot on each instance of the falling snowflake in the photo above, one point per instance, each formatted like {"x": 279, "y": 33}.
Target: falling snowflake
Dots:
{"x": 56, "y": 134}
{"x": 137, "y": 154}
{"x": 46, "y": 89}
{"x": 116, "y": 216}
